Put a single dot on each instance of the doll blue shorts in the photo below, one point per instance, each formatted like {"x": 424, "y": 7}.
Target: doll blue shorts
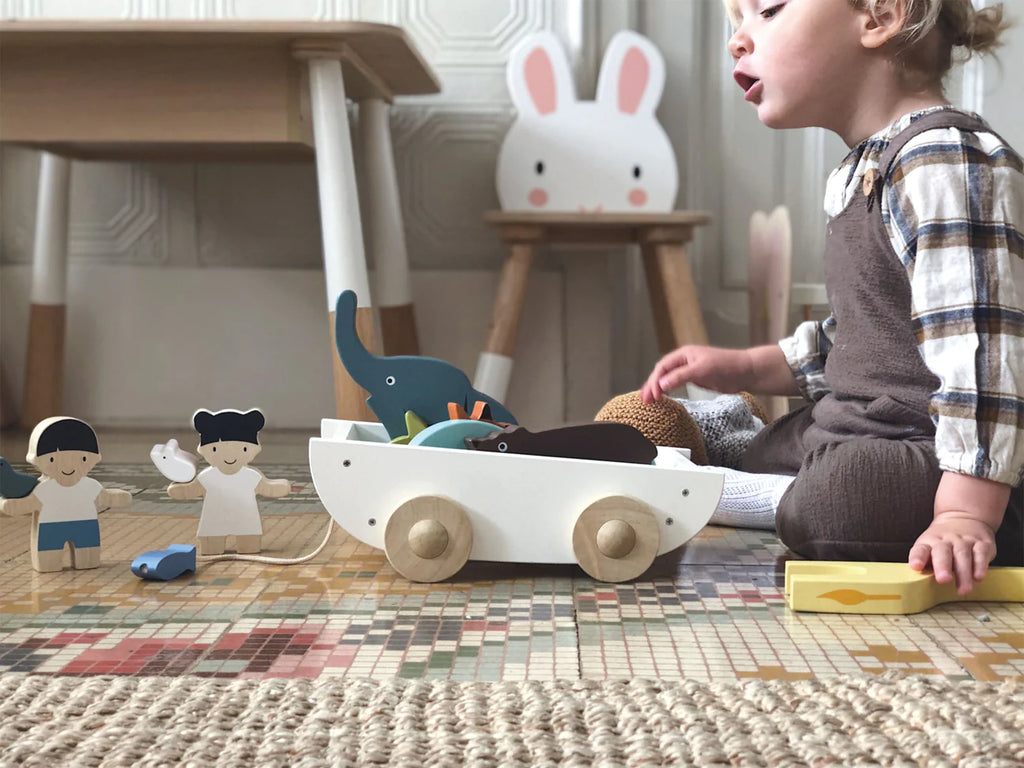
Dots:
{"x": 82, "y": 534}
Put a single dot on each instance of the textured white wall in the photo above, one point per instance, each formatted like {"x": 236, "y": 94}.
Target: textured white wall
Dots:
{"x": 590, "y": 334}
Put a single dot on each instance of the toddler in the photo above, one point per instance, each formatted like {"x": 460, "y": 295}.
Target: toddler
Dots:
{"x": 912, "y": 444}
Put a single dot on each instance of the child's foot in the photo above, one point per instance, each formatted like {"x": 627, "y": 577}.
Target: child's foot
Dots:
{"x": 749, "y": 500}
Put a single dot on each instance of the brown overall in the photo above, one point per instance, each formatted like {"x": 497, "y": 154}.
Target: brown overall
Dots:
{"x": 864, "y": 455}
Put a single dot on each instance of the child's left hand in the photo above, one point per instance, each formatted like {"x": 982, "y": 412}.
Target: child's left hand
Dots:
{"x": 961, "y": 540}
{"x": 955, "y": 545}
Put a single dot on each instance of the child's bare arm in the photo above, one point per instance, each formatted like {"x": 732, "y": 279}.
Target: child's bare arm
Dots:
{"x": 961, "y": 540}
{"x": 762, "y": 370}
{"x": 184, "y": 491}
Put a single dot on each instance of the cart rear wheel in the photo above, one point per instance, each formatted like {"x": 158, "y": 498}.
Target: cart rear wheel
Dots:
{"x": 616, "y": 538}
{"x": 428, "y": 538}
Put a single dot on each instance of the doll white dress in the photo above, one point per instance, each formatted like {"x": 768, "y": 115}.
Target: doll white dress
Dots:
{"x": 229, "y": 504}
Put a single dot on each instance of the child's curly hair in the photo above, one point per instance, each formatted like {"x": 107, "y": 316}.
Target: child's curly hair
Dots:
{"x": 933, "y": 31}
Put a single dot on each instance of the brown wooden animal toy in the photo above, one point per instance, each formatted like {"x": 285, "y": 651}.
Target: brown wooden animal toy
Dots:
{"x": 599, "y": 440}
{"x": 65, "y": 502}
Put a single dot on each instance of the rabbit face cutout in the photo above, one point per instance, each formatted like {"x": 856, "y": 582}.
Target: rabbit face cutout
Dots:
{"x": 606, "y": 155}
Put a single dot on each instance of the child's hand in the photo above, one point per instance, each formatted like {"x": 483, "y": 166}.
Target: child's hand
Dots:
{"x": 961, "y": 540}
{"x": 957, "y": 546}
{"x": 723, "y": 370}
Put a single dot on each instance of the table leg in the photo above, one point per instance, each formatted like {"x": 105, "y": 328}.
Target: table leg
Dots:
{"x": 392, "y": 290}
{"x": 674, "y": 301}
{"x": 44, "y": 366}
{"x": 494, "y": 368}
{"x": 344, "y": 258}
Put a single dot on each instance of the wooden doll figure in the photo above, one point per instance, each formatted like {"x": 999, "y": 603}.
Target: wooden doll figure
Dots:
{"x": 229, "y": 441}
{"x": 65, "y": 503}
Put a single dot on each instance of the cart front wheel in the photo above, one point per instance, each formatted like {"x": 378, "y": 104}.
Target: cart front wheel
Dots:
{"x": 428, "y": 538}
{"x": 616, "y": 538}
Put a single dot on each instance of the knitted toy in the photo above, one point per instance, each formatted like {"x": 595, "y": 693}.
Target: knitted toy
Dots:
{"x": 716, "y": 431}
{"x": 663, "y": 422}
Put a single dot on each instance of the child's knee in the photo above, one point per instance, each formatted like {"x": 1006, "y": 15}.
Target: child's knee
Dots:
{"x": 859, "y": 500}
{"x": 796, "y": 524}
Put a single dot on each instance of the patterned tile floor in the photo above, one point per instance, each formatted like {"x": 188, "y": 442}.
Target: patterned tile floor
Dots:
{"x": 712, "y": 610}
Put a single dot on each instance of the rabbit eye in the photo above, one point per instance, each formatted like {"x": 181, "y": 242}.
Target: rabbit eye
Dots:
{"x": 539, "y": 167}
{"x": 636, "y": 171}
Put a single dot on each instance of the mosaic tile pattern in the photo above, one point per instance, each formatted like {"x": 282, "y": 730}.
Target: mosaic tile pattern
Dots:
{"x": 713, "y": 610}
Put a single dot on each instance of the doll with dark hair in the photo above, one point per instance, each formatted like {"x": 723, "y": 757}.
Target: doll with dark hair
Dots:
{"x": 65, "y": 502}
{"x": 229, "y": 441}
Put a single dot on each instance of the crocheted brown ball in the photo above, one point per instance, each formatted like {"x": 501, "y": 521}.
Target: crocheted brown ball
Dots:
{"x": 663, "y": 422}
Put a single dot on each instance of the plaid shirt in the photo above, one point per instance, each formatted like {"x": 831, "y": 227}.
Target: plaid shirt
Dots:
{"x": 954, "y": 210}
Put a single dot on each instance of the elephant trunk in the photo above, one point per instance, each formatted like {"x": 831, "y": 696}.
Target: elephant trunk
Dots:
{"x": 357, "y": 359}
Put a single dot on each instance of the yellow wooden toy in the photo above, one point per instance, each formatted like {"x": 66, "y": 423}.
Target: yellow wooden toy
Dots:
{"x": 893, "y": 588}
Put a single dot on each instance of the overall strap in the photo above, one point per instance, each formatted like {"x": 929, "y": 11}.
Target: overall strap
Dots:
{"x": 873, "y": 182}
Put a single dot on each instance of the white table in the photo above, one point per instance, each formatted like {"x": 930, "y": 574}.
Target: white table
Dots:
{"x": 180, "y": 90}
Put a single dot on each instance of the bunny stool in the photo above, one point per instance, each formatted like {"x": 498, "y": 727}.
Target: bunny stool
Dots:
{"x": 598, "y": 172}
{"x": 662, "y": 238}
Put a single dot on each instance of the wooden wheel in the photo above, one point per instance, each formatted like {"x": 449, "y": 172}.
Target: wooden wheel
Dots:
{"x": 616, "y": 538}
{"x": 428, "y": 538}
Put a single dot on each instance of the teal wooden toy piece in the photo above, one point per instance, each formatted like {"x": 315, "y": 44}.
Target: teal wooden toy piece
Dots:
{"x": 404, "y": 382}
{"x": 453, "y": 434}
{"x": 15, "y": 484}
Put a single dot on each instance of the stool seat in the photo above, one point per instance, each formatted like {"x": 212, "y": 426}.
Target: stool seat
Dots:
{"x": 527, "y": 226}
{"x": 662, "y": 238}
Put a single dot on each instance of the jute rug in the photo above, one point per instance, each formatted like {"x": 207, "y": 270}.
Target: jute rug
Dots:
{"x": 890, "y": 720}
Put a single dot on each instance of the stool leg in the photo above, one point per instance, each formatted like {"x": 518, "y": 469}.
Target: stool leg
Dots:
{"x": 8, "y": 411}
{"x": 674, "y": 300}
{"x": 44, "y": 367}
{"x": 392, "y": 290}
{"x": 494, "y": 368}
{"x": 344, "y": 258}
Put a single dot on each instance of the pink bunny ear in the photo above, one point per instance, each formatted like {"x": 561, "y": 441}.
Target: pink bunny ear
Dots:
{"x": 632, "y": 75}
{"x": 539, "y": 78}
{"x": 633, "y": 78}
{"x": 540, "y": 81}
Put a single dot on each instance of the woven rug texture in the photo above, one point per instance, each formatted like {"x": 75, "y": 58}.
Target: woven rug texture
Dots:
{"x": 889, "y": 720}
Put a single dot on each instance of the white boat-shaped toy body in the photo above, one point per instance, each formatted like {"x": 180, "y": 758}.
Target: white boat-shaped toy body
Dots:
{"x": 430, "y": 509}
